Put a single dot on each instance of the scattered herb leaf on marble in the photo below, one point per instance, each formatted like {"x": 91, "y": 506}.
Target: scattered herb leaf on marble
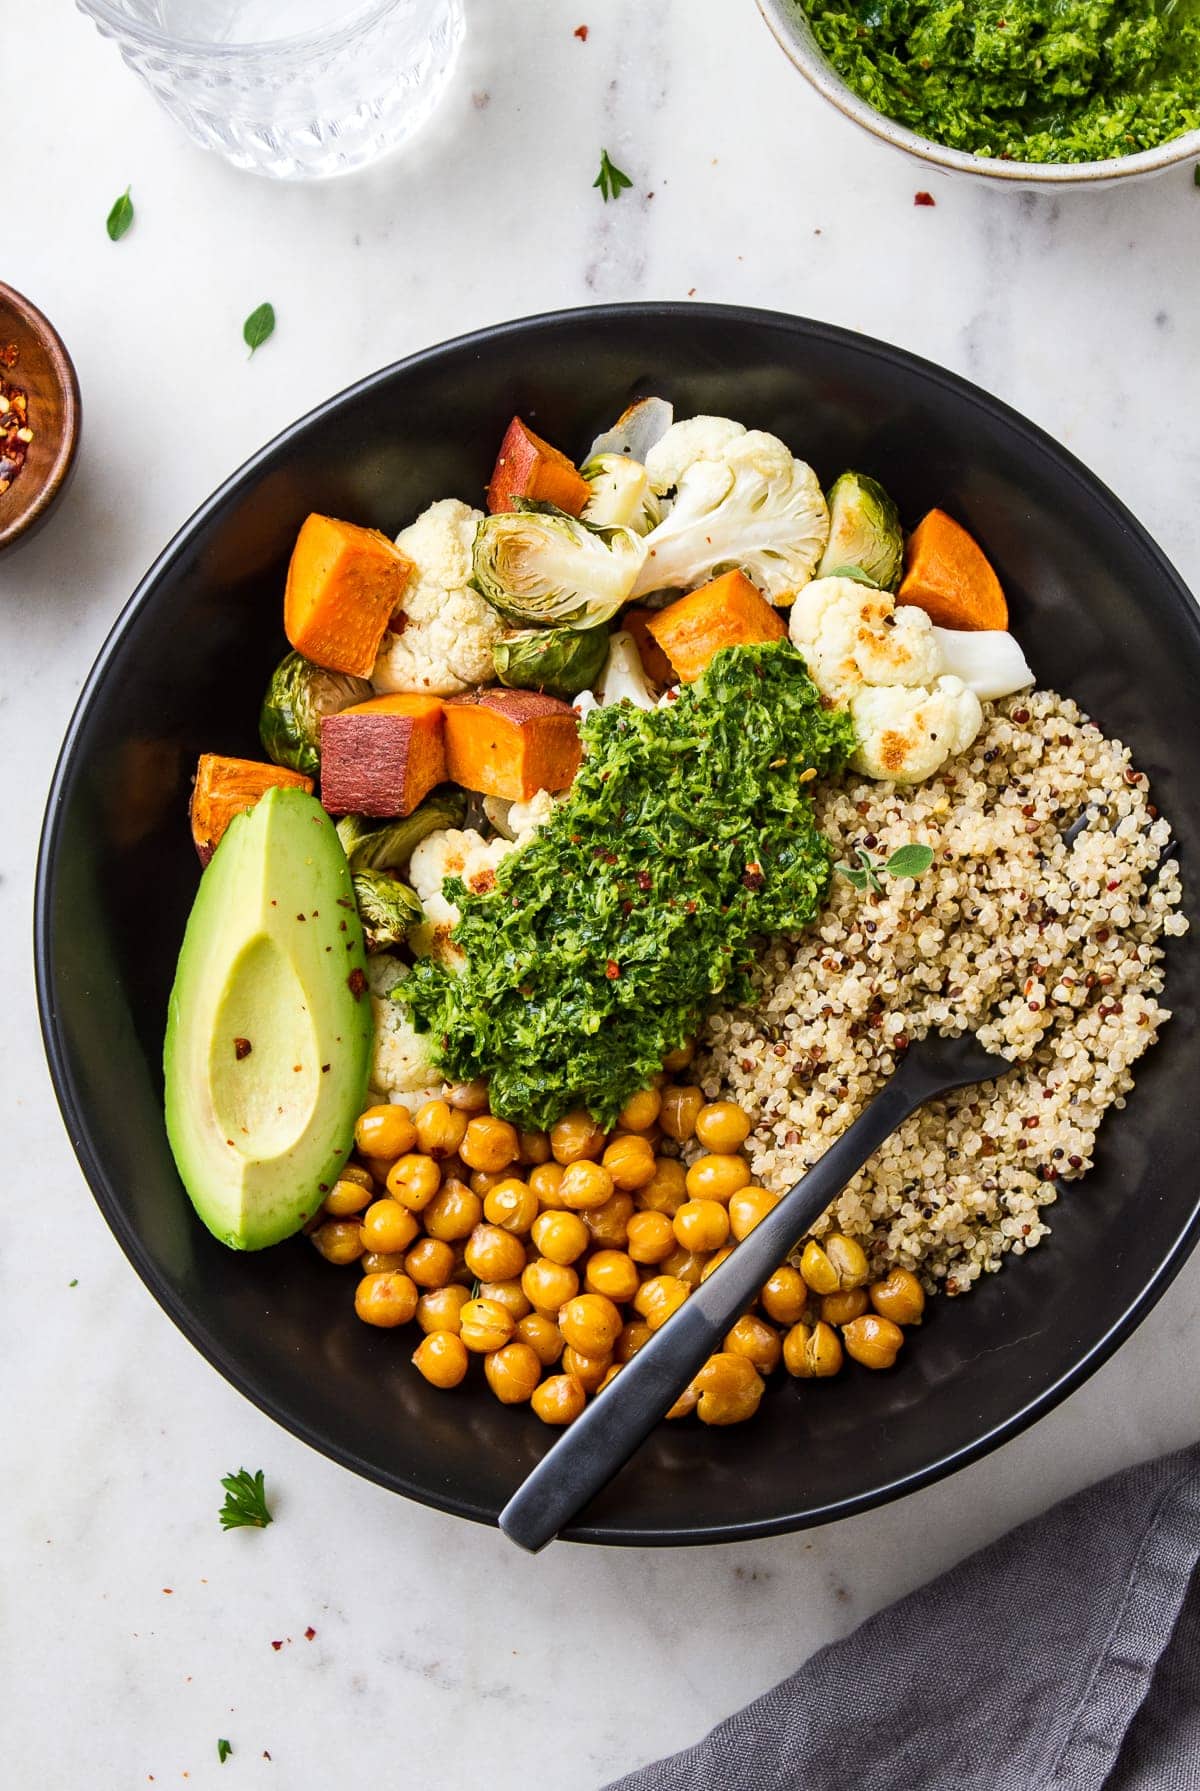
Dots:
{"x": 223, "y": 1750}
{"x": 73, "y": 1283}
{"x": 258, "y": 326}
{"x": 611, "y": 180}
{"x": 120, "y": 217}
{"x": 245, "y": 1501}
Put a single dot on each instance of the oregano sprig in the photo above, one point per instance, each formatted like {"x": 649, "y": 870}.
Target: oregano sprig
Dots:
{"x": 906, "y": 861}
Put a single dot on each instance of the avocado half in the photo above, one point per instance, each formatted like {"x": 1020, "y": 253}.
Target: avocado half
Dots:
{"x": 269, "y": 1025}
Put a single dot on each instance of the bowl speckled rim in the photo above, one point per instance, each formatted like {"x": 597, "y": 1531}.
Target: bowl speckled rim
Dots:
{"x": 793, "y": 34}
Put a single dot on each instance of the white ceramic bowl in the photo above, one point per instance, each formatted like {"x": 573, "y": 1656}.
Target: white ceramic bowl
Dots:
{"x": 790, "y": 27}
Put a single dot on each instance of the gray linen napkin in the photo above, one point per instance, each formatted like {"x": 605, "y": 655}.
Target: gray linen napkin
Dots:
{"x": 1065, "y": 1657}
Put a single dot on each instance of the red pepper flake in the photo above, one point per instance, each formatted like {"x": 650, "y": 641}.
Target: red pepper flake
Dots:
{"x": 309, "y": 1633}
{"x": 356, "y": 982}
{"x": 752, "y": 877}
{"x": 691, "y": 907}
{"x": 645, "y": 881}
{"x": 241, "y": 1048}
{"x": 581, "y": 32}
{"x": 924, "y": 199}
{"x": 612, "y": 970}
{"x": 277, "y": 1646}
{"x": 324, "y": 1069}
{"x": 168, "y": 1590}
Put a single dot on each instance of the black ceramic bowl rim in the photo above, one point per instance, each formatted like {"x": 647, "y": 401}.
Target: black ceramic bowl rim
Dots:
{"x": 75, "y": 1117}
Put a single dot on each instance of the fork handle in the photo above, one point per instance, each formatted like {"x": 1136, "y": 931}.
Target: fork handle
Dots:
{"x": 606, "y": 1434}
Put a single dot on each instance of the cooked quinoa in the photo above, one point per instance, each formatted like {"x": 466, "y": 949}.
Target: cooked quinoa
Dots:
{"x": 1052, "y": 953}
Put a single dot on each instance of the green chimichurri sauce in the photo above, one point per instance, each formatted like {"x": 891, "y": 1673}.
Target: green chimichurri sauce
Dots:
{"x": 1026, "y": 80}
{"x": 689, "y": 831}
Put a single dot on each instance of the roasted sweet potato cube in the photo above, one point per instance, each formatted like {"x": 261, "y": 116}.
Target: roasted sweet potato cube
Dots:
{"x": 343, "y": 585}
{"x": 511, "y": 743}
{"x": 528, "y": 467}
{"x": 228, "y": 787}
{"x": 729, "y": 612}
{"x": 382, "y": 757}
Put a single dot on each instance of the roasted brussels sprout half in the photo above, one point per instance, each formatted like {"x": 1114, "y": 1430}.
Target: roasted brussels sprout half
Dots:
{"x": 538, "y": 566}
{"x": 298, "y": 697}
{"x": 559, "y": 661}
{"x": 622, "y": 496}
{"x": 386, "y": 845}
{"x": 865, "y": 538}
{"x": 387, "y": 909}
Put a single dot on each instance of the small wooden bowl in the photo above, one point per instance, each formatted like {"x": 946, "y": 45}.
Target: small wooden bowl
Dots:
{"x": 43, "y": 370}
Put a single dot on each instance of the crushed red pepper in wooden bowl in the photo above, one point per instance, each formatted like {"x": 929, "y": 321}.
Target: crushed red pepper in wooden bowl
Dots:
{"x": 15, "y": 432}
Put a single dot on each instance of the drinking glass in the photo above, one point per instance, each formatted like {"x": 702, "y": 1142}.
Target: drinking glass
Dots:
{"x": 297, "y": 89}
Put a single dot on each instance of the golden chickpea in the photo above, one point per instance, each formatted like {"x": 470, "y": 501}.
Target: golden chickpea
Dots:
{"x": 748, "y": 1208}
{"x": 630, "y": 1161}
{"x": 585, "y": 1184}
{"x": 546, "y": 1180}
{"x": 561, "y": 1236}
{"x": 512, "y": 1373}
{"x": 533, "y": 1148}
{"x": 357, "y": 1172}
{"x": 656, "y": 1299}
{"x": 489, "y": 1143}
{"x": 722, "y": 1126}
{"x": 650, "y": 1237}
{"x": 589, "y": 1371}
{"x": 381, "y": 1262}
{"x": 484, "y": 1325}
{"x": 576, "y": 1137}
{"x": 469, "y": 1097}
{"x": 717, "y": 1178}
{"x": 440, "y": 1128}
{"x": 387, "y": 1226}
{"x": 818, "y": 1272}
{"x": 701, "y": 1225}
{"x": 507, "y": 1294}
{"x": 494, "y": 1255}
{"x": 899, "y": 1296}
{"x": 440, "y": 1308}
{"x": 680, "y": 1058}
{"x": 685, "y": 1405}
{"x": 640, "y": 1111}
{"x": 812, "y": 1352}
{"x": 755, "y": 1339}
{"x": 686, "y": 1265}
{"x": 679, "y": 1111}
{"x": 590, "y": 1323}
{"x": 543, "y": 1337}
{"x": 442, "y": 1358}
{"x": 339, "y": 1240}
{"x": 549, "y": 1285}
{"x": 608, "y": 1225}
{"x": 841, "y": 1308}
{"x": 347, "y": 1197}
{"x": 613, "y": 1274}
{"x": 482, "y": 1181}
{"x": 729, "y": 1388}
{"x": 453, "y": 1213}
{"x": 559, "y": 1400}
{"x": 384, "y": 1132}
{"x": 849, "y": 1260}
{"x": 610, "y": 1376}
{"x": 714, "y": 1262}
{"x": 785, "y": 1296}
{"x": 385, "y": 1300}
{"x": 668, "y": 1191}
{"x": 873, "y": 1341}
{"x": 631, "y": 1339}
{"x": 512, "y": 1205}
{"x": 430, "y": 1262}
{"x": 414, "y": 1181}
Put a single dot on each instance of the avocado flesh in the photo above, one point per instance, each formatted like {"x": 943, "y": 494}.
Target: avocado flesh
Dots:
{"x": 273, "y": 960}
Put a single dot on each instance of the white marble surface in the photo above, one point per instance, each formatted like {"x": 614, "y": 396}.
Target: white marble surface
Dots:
{"x": 442, "y": 1658}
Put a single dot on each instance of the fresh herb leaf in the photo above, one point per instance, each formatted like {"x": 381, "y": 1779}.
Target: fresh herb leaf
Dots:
{"x": 245, "y": 1501}
{"x": 611, "y": 181}
{"x": 906, "y": 861}
{"x": 909, "y": 861}
{"x": 223, "y": 1750}
{"x": 120, "y": 217}
{"x": 258, "y": 326}
{"x": 73, "y": 1283}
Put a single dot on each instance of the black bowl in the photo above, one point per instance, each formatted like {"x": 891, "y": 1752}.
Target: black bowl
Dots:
{"x": 1102, "y": 616}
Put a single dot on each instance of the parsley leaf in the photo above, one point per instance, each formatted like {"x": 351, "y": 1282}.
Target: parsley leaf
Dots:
{"x": 258, "y": 326}
{"x": 120, "y": 217}
{"x": 245, "y": 1501}
{"x": 223, "y": 1750}
{"x": 611, "y": 181}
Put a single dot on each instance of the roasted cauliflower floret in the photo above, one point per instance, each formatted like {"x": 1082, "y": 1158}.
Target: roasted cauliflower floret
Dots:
{"x": 907, "y": 732}
{"x": 450, "y": 852}
{"x": 401, "y": 1061}
{"x": 851, "y": 634}
{"x": 440, "y": 641}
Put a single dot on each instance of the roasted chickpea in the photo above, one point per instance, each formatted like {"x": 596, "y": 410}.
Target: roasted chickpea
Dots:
{"x": 610, "y": 1376}
{"x": 668, "y": 1191}
{"x": 812, "y": 1352}
{"x": 590, "y": 1323}
{"x": 346, "y": 1197}
{"x": 414, "y": 1181}
{"x": 849, "y": 1260}
{"x": 729, "y": 1388}
{"x": 842, "y": 1307}
{"x": 717, "y": 1178}
{"x": 608, "y": 1225}
{"x": 589, "y": 1371}
{"x": 485, "y": 1325}
{"x": 575, "y": 1138}
{"x": 512, "y": 1205}
{"x": 339, "y": 1240}
{"x": 533, "y": 1148}
{"x": 722, "y": 1126}
{"x": 873, "y": 1341}
{"x": 686, "y": 1265}
{"x": 512, "y": 1373}
{"x": 561, "y": 1236}
{"x": 680, "y": 1058}
{"x": 453, "y": 1213}
{"x": 381, "y": 1262}
{"x": 747, "y": 1208}
{"x": 612, "y": 1273}
{"x": 546, "y": 1180}
{"x": 701, "y": 1224}
{"x": 440, "y": 1309}
{"x": 507, "y": 1294}
{"x": 585, "y": 1184}
{"x": 430, "y": 1262}
{"x": 630, "y": 1161}
{"x": 899, "y": 1296}
{"x": 442, "y": 1358}
{"x": 680, "y": 1108}
{"x": 489, "y": 1143}
{"x": 440, "y": 1128}
{"x": 650, "y": 1237}
{"x": 785, "y": 1296}
{"x": 482, "y": 1181}
{"x": 755, "y": 1339}
{"x": 468, "y": 1097}
{"x": 385, "y": 1300}
{"x": 387, "y": 1226}
{"x": 384, "y": 1132}
{"x": 494, "y": 1255}
{"x": 559, "y": 1400}
{"x": 656, "y": 1299}
{"x": 543, "y": 1337}
{"x": 714, "y": 1262}
{"x": 640, "y": 1111}
{"x": 631, "y": 1339}
{"x": 685, "y": 1405}
{"x": 549, "y": 1285}
{"x": 357, "y": 1172}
